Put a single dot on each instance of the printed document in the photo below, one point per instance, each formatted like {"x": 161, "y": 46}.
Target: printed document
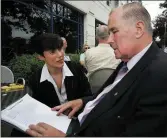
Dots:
{"x": 28, "y": 111}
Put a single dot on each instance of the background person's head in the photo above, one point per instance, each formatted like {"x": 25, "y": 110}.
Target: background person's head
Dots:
{"x": 49, "y": 48}
{"x": 102, "y": 34}
{"x": 85, "y": 47}
{"x": 64, "y": 43}
{"x": 130, "y": 30}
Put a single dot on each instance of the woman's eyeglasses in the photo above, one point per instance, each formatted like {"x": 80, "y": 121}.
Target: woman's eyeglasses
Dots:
{"x": 87, "y": 47}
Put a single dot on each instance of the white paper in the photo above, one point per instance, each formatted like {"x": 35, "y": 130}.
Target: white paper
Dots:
{"x": 28, "y": 111}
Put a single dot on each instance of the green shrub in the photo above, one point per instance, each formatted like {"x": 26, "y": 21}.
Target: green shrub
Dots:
{"x": 74, "y": 57}
{"x": 23, "y": 66}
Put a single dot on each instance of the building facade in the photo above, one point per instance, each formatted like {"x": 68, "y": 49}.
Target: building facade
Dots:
{"x": 95, "y": 13}
{"x": 21, "y": 20}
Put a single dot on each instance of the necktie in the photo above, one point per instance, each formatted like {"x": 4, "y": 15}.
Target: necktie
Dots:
{"x": 124, "y": 68}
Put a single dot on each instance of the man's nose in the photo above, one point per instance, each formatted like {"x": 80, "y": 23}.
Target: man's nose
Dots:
{"x": 110, "y": 39}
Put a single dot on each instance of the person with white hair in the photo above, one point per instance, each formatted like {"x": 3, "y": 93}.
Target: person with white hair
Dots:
{"x": 101, "y": 56}
{"x": 66, "y": 58}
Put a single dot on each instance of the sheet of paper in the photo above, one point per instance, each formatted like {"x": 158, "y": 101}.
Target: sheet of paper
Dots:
{"x": 28, "y": 111}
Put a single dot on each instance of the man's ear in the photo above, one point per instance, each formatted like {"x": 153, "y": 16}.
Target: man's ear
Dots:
{"x": 41, "y": 57}
{"x": 140, "y": 26}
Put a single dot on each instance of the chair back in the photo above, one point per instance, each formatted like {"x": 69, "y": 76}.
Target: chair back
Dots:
{"x": 6, "y": 75}
{"x": 21, "y": 81}
{"x": 98, "y": 78}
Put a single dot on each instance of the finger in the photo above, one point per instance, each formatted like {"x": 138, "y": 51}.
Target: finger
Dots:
{"x": 37, "y": 129}
{"x": 65, "y": 107}
{"x": 44, "y": 125}
{"x": 33, "y": 133}
{"x": 56, "y": 108}
{"x": 71, "y": 114}
{"x": 66, "y": 112}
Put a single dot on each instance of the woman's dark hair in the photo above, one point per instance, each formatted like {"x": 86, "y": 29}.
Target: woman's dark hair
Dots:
{"x": 46, "y": 42}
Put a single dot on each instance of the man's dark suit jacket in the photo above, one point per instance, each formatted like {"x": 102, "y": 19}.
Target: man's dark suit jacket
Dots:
{"x": 77, "y": 86}
{"x": 137, "y": 105}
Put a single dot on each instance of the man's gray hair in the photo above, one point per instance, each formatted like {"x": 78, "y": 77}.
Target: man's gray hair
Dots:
{"x": 102, "y": 32}
{"x": 135, "y": 12}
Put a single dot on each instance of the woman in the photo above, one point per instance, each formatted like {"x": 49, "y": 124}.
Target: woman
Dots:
{"x": 57, "y": 82}
{"x": 82, "y": 56}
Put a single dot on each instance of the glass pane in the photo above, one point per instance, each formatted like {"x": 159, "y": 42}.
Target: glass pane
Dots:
{"x": 57, "y": 9}
{"x": 67, "y": 13}
{"x": 73, "y": 15}
{"x": 63, "y": 11}
{"x": 19, "y": 24}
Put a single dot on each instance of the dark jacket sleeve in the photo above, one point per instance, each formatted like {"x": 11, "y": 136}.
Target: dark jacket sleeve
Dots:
{"x": 85, "y": 87}
{"x": 83, "y": 84}
{"x": 34, "y": 81}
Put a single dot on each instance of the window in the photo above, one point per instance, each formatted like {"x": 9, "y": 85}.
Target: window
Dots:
{"x": 21, "y": 20}
{"x": 108, "y": 2}
{"x": 69, "y": 24}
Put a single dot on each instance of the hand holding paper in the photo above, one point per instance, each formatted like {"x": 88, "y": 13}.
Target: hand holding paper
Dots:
{"x": 27, "y": 111}
{"x": 44, "y": 130}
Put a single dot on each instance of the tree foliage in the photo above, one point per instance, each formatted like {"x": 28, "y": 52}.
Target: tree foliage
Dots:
{"x": 159, "y": 25}
{"x": 16, "y": 14}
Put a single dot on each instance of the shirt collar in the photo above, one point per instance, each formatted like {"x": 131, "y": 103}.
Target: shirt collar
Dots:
{"x": 66, "y": 70}
{"x": 103, "y": 44}
{"x": 45, "y": 75}
{"x": 137, "y": 57}
{"x": 67, "y": 58}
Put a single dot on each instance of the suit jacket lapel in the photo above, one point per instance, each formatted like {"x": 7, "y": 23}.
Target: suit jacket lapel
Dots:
{"x": 69, "y": 84}
{"x": 110, "y": 99}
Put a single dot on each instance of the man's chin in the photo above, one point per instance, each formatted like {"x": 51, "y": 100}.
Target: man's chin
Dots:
{"x": 117, "y": 57}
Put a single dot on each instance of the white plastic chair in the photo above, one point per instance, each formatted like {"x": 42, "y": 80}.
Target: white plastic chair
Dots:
{"x": 98, "y": 78}
{"x": 21, "y": 81}
{"x": 6, "y": 75}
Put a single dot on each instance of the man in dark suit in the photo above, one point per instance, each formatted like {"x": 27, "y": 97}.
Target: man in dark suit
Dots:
{"x": 133, "y": 101}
